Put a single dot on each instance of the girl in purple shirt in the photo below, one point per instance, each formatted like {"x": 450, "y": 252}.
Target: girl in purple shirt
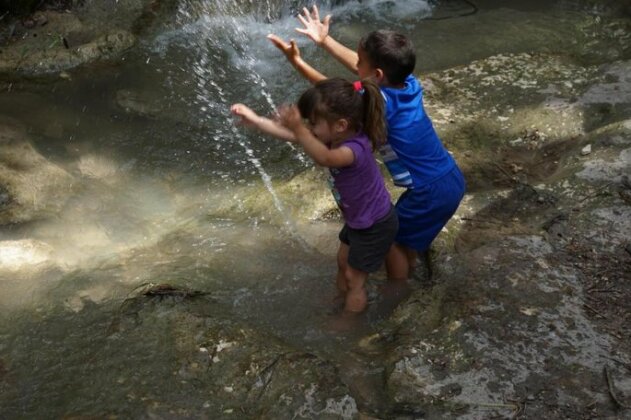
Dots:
{"x": 346, "y": 123}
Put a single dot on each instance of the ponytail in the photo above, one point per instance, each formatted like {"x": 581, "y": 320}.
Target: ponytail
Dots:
{"x": 374, "y": 118}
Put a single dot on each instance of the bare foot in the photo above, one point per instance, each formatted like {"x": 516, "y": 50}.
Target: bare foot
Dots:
{"x": 339, "y": 299}
{"x": 337, "y": 304}
{"x": 343, "y": 322}
{"x": 393, "y": 292}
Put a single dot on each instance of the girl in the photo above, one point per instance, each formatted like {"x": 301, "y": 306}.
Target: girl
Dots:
{"x": 345, "y": 124}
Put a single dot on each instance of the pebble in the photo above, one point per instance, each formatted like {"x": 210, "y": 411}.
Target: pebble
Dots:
{"x": 586, "y": 150}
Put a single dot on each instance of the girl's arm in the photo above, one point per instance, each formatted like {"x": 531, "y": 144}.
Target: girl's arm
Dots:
{"x": 318, "y": 31}
{"x": 293, "y": 56}
{"x": 252, "y": 119}
{"x": 331, "y": 158}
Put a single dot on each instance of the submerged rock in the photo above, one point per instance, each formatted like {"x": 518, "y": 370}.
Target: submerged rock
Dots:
{"x": 222, "y": 367}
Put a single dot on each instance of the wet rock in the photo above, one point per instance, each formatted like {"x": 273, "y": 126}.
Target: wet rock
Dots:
{"x": 310, "y": 199}
{"x": 557, "y": 226}
{"x": 55, "y": 41}
{"x": 610, "y": 169}
{"x": 38, "y": 61}
{"x": 134, "y": 102}
{"x": 5, "y": 198}
{"x": 451, "y": 390}
{"x": 625, "y": 195}
{"x": 225, "y": 366}
{"x": 615, "y": 88}
{"x": 519, "y": 307}
{"x": 501, "y": 338}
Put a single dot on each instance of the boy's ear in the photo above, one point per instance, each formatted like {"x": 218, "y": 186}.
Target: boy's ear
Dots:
{"x": 380, "y": 76}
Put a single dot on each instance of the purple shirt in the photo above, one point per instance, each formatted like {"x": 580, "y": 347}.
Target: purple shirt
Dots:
{"x": 359, "y": 188}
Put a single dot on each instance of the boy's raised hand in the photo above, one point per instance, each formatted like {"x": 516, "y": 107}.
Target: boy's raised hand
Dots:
{"x": 290, "y": 49}
{"x": 314, "y": 28}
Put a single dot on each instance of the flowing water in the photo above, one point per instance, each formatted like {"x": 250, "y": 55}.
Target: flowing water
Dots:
{"x": 160, "y": 171}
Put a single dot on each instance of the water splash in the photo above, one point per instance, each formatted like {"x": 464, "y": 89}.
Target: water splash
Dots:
{"x": 231, "y": 28}
{"x": 212, "y": 93}
{"x": 225, "y": 39}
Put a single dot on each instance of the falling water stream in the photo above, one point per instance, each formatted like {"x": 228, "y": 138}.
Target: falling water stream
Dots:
{"x": 167, "y": 189}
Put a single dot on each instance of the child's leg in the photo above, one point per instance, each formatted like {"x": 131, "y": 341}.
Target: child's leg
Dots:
{"x": 340, "y": 278}
{"x": 342, "y": 262}
{"x": 412, "y": 256}
{"x": 400, "y": 261}
{"x": 356, "y": 297}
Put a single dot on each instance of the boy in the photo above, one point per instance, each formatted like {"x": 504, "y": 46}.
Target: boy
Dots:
{"x": 413, "y": 154}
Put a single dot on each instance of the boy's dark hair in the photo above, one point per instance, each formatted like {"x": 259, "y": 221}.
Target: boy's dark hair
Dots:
{"x": 335, "y": 98}
{"x": 391, "y": 52}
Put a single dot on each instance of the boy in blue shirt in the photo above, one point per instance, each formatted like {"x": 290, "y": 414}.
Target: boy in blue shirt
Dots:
{"x": 413, "y": 153}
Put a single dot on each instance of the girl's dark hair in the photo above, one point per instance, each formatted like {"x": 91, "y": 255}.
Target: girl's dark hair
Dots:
{"x": 336, "y": 98}
{"x": 391, "y": 52}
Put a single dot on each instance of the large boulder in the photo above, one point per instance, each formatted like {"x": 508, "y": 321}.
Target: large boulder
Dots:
{"x": 50, "y": 41}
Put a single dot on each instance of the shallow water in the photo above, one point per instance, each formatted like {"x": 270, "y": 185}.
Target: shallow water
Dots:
{"x": 156, "y": 157}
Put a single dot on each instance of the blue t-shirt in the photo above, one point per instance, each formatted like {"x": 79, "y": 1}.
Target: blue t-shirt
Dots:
{"x": 359, "y": 188}
{"x": 413, "y": 154}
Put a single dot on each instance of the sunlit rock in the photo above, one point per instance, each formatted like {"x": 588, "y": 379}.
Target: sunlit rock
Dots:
{"x": 305, "y": 197}
{"x": 98, "y": 167}
{"x": 32, "y": 187}
{"x": 23, "y": 255}
{"x": 607, "y": 169}
{"x": 96, "y": 294}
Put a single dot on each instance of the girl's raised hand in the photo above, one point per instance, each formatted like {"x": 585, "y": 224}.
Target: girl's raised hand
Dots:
{"x": 245, "y": 113}
{"x": 314, "y": 28}
{"x": 289, "y": 116}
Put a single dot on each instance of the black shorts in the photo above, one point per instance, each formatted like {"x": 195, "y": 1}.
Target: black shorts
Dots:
{"x": 368, "y": 247}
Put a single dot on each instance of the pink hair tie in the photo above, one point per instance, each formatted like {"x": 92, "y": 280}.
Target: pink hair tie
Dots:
{"x": 358, "y": 86}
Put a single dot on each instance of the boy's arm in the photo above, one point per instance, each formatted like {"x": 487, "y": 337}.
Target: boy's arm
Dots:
{"x": 293, "y": 56}
{"x": 343, "y": 54}
{"x": 265, "y": 125}
{"x": 318, "y": 31}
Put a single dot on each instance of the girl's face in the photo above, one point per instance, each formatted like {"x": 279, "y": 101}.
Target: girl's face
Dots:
{"x": 323, "y": 130}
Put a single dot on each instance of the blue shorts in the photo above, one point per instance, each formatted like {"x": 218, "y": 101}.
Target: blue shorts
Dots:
{"x": 424, "y": 211}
